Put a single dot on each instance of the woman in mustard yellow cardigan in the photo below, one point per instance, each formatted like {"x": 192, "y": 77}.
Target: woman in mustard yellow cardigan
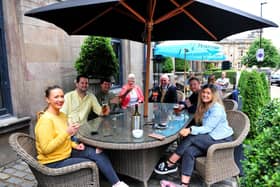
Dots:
{"x": 53, "y": 140}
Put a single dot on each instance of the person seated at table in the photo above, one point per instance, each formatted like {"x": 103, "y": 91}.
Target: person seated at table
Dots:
{"x": 223, "y": 82}
{"x": 191, "y": 102}
{"x": 54, "y": 146}
{"x": 165, "y": 92}
{"x": 131, "y": 93}
{"x": 79, "y": 102}
{"x": 104, "y": 96}
{"x": 192, "y": 74}
{"x": 212, "y": 80}
{"x": 212, "y": 128}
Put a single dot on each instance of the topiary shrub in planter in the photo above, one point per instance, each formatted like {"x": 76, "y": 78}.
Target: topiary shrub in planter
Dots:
{"x": 97, "y": 58}
{"x": 262, "y": 167}
{"x": 242, "y": 83}
{"x": 253, "y": 99}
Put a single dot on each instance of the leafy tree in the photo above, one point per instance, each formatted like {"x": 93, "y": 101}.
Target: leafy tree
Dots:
{"x": 271, "y": 55}
{"x": 97, "y": 58}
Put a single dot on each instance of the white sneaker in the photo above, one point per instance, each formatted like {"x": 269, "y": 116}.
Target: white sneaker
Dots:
{"x": 120, "y": 184}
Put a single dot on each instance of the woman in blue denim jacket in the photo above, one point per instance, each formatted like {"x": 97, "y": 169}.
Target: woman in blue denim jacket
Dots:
{"x": 212, "y": 127}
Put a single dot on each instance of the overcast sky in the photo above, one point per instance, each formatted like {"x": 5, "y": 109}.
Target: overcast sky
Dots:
{"x": 270, "y": 11}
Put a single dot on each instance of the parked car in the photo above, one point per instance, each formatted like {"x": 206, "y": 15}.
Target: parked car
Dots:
{"x": 275, "y": 79}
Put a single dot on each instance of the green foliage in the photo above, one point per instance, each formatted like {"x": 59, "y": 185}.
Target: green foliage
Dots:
{"x": 210, "y": 66}
{"x": 167, "y": 66}
{"x": 97, "y": 58}
{"x": 262, "y": 159}
{"x": 271, "y": 57}
{"x": 242, "y": 83}
{"x": 254, "y": 97}
{"x": 269, "y": 116}
{"x": 266, "y": 87}
{"x": 261, "y": 166}
{"x": 180, "y": 65}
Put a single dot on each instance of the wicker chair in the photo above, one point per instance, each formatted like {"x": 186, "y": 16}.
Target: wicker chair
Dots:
{"x": 82, "y": 174}
{"x": 219, "y": 163}
{"x": 230, "y": 104}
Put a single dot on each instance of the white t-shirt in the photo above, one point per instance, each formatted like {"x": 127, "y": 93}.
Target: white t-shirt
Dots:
{"x": 133, "y": 97}
{"x": 223, "y": 82}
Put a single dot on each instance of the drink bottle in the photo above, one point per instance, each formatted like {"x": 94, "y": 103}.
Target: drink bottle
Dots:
{"x": 136, "y": 123}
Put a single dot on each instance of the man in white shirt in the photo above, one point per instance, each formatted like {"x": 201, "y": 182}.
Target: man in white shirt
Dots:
{"x": 223, "y": 82}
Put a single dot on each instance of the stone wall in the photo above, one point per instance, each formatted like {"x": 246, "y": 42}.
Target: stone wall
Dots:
{"x": 41, "y": 54}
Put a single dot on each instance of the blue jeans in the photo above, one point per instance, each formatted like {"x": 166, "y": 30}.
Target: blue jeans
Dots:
{"x": 89, "y": 154}
{"x": 194, "y": 146}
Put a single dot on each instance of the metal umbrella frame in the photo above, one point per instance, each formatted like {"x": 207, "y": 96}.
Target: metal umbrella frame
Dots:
{"x": 149, "y": 20}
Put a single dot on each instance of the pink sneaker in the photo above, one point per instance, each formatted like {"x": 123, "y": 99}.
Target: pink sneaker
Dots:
{"x": 165, "y": 183}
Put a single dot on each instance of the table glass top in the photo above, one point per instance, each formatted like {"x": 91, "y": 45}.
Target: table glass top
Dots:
{"x": 117, "y": 128}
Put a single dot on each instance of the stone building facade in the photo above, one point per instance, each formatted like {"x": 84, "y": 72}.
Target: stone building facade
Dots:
{"x": 235, "y": 49}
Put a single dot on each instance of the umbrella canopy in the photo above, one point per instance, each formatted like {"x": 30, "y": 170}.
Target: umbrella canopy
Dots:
{"x": 191, "y": 50}
{"x": 149, "y": 20}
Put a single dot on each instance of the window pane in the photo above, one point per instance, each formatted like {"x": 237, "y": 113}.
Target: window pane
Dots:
{"x": 117, "y": 48}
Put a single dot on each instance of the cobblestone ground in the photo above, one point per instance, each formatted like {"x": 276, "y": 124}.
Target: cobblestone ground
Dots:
{"x": 18, "y": 174}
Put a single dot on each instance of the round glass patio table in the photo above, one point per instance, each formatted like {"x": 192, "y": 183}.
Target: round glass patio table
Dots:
{"x": 134, "y": 157}
{"x": 115, "y": 131}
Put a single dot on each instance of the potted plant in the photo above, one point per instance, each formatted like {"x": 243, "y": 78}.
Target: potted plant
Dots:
{"x": 97, "y": 58}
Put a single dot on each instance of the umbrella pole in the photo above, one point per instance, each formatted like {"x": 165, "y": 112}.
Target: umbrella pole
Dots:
{"x": 185, "y": 76}
{"x": 146, "y": 102}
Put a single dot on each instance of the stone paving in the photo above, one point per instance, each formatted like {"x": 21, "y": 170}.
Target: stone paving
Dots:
{"x": 18, "y": 174}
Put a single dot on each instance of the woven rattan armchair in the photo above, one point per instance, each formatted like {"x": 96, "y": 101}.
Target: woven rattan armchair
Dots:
{"x": 219, "y": 163}
{"x": 230, "y": 104}
{"x": 82, "y": 174}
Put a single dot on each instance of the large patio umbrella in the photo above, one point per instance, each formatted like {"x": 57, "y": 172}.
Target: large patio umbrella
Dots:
{"x": 190, "y": 50}
{"x": 149, "y": 20}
